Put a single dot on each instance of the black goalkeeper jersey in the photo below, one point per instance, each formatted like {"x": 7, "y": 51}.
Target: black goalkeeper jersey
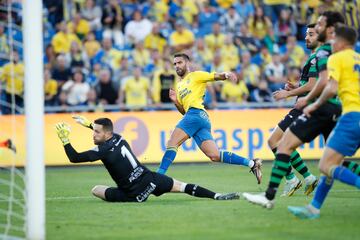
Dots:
{"x": 119, "y": 160}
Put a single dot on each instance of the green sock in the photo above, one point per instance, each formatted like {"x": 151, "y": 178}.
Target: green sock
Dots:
{"x": 299, "y": 164}
{"x": 279, "y": 170}
{"x": 354, "y": 167}
{"x": 290, "y": 174}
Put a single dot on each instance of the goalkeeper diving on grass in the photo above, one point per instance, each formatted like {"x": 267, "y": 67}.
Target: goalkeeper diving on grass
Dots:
{"x": 134, "y": 182}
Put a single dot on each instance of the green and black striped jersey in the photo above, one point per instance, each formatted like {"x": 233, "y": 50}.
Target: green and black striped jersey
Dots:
{"x": 305, "y": 72}
{"x": 322, "y": 55}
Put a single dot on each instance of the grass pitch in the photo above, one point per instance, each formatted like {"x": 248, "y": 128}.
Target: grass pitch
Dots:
{"x": 72, "y": 213}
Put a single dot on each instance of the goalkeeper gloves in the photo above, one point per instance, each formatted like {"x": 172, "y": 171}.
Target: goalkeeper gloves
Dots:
{"x": 83, "y": 121}
{"x": 63, "y": 131}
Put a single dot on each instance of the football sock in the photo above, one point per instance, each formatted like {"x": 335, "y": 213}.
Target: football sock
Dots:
{"x": 346, "y": 176}
{"x": 289, "y": 175}
{"x": 280, "y": 167}
{"x": 354, "y": 167}
{"x": 167, "y": 159}
{"x": 325, "y": 184}
{"x": 299, "y": 164}
{"x": 232, "y": 158}
{"x": 197, "y": 191}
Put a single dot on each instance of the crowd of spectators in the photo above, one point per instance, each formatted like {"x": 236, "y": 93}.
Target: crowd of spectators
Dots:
{"x": 119, "y": 52}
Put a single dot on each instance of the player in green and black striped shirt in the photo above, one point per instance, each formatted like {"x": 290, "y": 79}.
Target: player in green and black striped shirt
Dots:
{"x": 305, "y": 129}
{"x": 306, "y": 83}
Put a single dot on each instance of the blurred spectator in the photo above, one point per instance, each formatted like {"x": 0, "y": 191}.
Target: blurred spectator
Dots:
{"x": 181, "y": 39}
{"x": 93, "y": 76}
{"x": 245, "y": 41}
{"x": 92, "y": 14}
{"x": 271, "y": 41}
{"x": 4, "y": 45}
{"x": 123, "y": 73}
{"x": 91, "y": 45}
{"x": 108, "y": 55}
{"x": 251, "y": 72}
{"x": 294, "y": 75}
{"x": 285, "y": 26}
{"x": 79, "y": 26}
{"x": 231, "y": 21}
{"x": 154, "y": 40}
{"x": 294, "y": 54}
{"x": 50, "y": 89}
{"x": 259, "y": 24}
{"x": 49, "y": 57}
{"x": 135, "y": 91}
{"x": 235, "y": 92}
{"x": 275, "y": 73}
{"x": 92, "y": 100}
{"x": 105, "y": 89}
{"x": 229, "y": 53}
{"x": 183, "y": 10}
{"x": 154, "y": 64}
{"x": 77, "y": 58}
{"x": 262, "y": 93}
{"x": 55, "y": 11}
{"x": 217, "y": 66}
{"x": 13, "y": 76}
{"x": 244, "y": 8}
{"x": 141, "y": 55}
{"x": 61, "y": 73}
{"x": 48, "y": 32}
{"x": 76, "y": 89}
{"x": 207, "y": 17}
{"x": 351, "y": 12}
{"x": 263, "y": 58}
{"x": 273, "y": 8}
{"x": 225, "y": 4}
{"x": 201, "y": 54}
{"x": 111, "y": 20}
{"x": 215, "y": 40}
{"x": 163, "y": 80}
{"x": 155, "y": 10}
{"x": 137, "y": 29}
{"x": 63, "y": 39}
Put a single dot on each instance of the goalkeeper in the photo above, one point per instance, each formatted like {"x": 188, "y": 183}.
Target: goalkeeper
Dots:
{"x": 134, "y": 181}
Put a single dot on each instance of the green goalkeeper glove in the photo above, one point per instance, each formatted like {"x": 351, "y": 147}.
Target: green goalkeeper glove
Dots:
{"x": 63, "y": 132}
{"x": 83, "y": 121}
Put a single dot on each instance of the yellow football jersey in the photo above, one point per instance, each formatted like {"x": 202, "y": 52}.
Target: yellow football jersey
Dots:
{"x": 344, "y": 67}
{"x": 190, "y": 91}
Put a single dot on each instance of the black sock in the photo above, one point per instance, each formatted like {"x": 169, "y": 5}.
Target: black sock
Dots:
{"x": 197, "y": 191}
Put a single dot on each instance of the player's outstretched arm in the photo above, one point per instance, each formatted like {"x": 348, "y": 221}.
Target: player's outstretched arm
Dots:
{"x": 83, "y": 121}
{"x": 63, "y": 132}
{"x": 225, "y": 76}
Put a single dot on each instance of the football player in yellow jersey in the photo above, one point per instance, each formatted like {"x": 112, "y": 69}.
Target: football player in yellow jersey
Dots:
{"x": 344, "y": 79}
{"x": 188, "y": 99}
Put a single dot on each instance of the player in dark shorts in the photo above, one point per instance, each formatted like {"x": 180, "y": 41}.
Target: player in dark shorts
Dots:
{"x": 305, "y": 129}
{"x": 304, "y": 86}
{"x": 134, "y": 181}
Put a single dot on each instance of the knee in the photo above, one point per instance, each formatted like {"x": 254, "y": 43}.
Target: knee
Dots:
{"x": 214, "y": 156}
{"x": 272, "y": 143}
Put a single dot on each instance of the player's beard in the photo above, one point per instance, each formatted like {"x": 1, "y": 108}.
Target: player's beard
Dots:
{"x": 311, "y": 46}
{"x": 181, "y": 72}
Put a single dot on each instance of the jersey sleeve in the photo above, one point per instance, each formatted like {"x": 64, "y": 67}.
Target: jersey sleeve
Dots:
{"x": 204, "y": 77}
{"x": 87, "y": 156}
{"x": 334, "y": 67}
{"x": 322, "y": 57}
